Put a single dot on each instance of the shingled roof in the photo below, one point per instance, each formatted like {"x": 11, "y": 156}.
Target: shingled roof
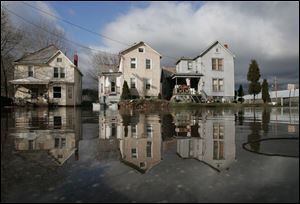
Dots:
{"x": 42, "y": 56}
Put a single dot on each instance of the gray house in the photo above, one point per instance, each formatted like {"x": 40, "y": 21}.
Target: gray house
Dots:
{"x": 209, "y": 76}
{"x": 47, "y": 76}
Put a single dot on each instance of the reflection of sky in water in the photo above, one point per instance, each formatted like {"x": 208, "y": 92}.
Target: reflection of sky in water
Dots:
{"x": 103, "y": 155}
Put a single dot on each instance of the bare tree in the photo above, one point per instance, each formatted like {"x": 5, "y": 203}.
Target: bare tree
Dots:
{"x": 103, "y": 62}
{"x": 10, "y": 39}
{"x": 42, "y": 35}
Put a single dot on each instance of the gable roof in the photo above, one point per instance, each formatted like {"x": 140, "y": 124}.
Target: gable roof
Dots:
{"x": 184, "y": 58}
{"x": 42, "y": 56}
{"x": 210, "y": 47}
{"x": 135, "y": 46}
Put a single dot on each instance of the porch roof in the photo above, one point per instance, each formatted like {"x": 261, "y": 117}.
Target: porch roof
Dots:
{"x": 29, "y": 80}
{"x": 111, "y": 73}
{"x": 187, "y": 75}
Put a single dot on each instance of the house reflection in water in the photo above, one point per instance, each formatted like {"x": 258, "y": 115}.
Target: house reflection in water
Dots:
{"x": 138, "y": 137}
{"x": 140, "y": 145}
{"x": 55, "y": 131}
{"x": 207, "y": 139}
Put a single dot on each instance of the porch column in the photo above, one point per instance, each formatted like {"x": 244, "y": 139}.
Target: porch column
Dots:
{"x": 188, "y": 81}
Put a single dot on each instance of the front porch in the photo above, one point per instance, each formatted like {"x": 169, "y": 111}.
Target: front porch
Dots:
{"x": 110, "y": 90}
{"x": 188, "y": 88}
{"x": 31, "y": 91}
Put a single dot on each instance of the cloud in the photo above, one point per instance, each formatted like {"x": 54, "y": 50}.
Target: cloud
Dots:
{"x": 32, "y": 14}
{"x": 266, "y": 31}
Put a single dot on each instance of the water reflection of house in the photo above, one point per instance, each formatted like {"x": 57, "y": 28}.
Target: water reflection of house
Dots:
{"x": 212, "y": 142}
{"x": 56, "y": 131}
{"x": 141, "y": 146}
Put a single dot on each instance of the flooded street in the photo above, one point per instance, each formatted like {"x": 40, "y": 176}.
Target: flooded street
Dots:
{"x": 195, "y": 155}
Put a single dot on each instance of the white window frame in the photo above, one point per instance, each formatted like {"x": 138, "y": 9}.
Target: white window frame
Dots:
{"x": 151, "y": 133}
{"x": 150, "y": 82}
{"x": 135, "y": 62}
{"x": 134, "y": 83}
{"x": 60, "y": 72}
{"x": 59, "y": 58}
{"x": 141, "y": 48}
{"x": 32, "y": 67}
{"x": 146, "y": 63}
{"x": 189, "y": 63}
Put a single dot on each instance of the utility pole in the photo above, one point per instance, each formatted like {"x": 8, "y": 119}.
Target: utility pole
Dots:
{"x": 276, "y": 89}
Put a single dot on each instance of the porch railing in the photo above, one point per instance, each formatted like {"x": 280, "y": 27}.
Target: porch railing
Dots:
{"x": 109, "y": 91}
{"x": 184, "y": 89}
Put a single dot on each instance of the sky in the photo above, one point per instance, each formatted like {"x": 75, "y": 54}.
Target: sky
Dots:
{"x": 265, "y": 31}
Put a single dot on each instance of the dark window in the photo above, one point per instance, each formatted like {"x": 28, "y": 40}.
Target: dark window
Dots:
{"x": 63, "y": 142}
{"x": 141, "y": 49}
{"x": 62, "y": 72}
{"x": 55, "y": 75}
{"x": 132, "y": 83}
{"x": 57, "y": 122}
{"x": 30, "y": 71}
{"x": 57, "y": 92}
{"x": 56, "y": 143}
{"x": 132, "y": 62}
{"x": 59, "y": 59}
{"x": 133, "y": 153}
{"x": 149, "y": 147}
{"x": 148, "y": 64}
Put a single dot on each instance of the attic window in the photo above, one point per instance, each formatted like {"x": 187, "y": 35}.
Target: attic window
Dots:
{"x": 59, "y": 59}
{"x": 217, "y": 49}
{"x": 141, "y": 49}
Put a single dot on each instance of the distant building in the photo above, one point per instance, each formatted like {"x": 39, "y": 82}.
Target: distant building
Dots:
{"x": 47, "y": 76}
{"x": 283, "y": 97}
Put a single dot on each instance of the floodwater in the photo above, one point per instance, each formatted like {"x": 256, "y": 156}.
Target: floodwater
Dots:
{"x": 194, "y": 155}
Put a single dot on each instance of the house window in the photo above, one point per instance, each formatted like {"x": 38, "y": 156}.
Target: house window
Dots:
{"x": 56, "y": 142}
{"x": 132, "y": 83}
{"x": 30, "y": 71}
{"x": 63, "y": 142}
{"x": 133, "y": 63}
{"x": 221, "y": 85}
{"x": 218, "y": 85}
{"x": 148, "y": 64}
{"x": 133, "y": 153}
{"x": 148, "y": 84}
{"x": 149, "y": 149}
{"x": 57, "y": 122}
{"x": 218, "y": 141}
{"x": 149, "y": 130}
{"x": 217, "y": 64}
{"x": 62, "y": 72}
{"x": 101, "y": 88}
{"x": 133, "y": 131}
{"x": 70, "y": 92}
{"x": 217, "y": 49}
{"x": 59, "y": 59}
{"x": 141, "y": 49}
{"x": 55, "y": 75}
{"x": 57, "y": 92}
{"x": 189, "y": 65}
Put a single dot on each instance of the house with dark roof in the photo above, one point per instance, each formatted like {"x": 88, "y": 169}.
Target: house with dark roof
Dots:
{"x": 139, "y": 66}
{"x": 47, "y": 76}
{"x": 208, "y": 76}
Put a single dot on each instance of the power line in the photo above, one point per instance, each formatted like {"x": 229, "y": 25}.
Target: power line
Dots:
{"x": 70, "y": 41}
{"x": 81, "y": 27}
{"x": 73, "y": 24}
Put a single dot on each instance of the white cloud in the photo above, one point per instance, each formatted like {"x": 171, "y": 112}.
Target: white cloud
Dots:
{"x": 32, "y": 14}
{"x": 261, "y": 30}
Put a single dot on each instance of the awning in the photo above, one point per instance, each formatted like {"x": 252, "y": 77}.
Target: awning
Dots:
{"x": 187, "y": 75}
{"x": 29, "y": 80}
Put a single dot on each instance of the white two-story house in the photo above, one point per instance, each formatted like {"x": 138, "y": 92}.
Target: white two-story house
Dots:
{"x": 47, "y": 76}
{"x": 139, "y": 66}
{"x": 209, "y": 75}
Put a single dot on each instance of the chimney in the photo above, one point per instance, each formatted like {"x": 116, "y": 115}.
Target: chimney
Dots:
{"x": 76, "y": 59}
{"x": 226, "y": 45}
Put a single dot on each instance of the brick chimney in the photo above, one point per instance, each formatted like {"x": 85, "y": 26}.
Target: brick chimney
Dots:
{"x": 76, "y": 59}
{"x": 226, "y": 45}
